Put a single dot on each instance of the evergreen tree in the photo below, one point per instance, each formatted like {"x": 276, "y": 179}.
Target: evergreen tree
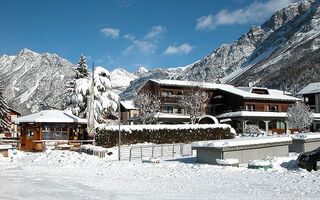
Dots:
{"x": 82, "y": 68}
{"x": 105, "y": 99}
{"x": 4, "y": 110}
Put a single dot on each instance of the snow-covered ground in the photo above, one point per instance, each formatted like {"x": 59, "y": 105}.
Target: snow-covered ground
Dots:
{"x": 70, "y": 175}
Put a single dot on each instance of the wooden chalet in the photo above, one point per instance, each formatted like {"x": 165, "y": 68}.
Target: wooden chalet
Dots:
{"x": 311, "y": 97}
{"x": 14, "y": 128}
{"x": 240, "y": 105}
{"x": 129, "y": 113}
{"x": 50, "y": 126}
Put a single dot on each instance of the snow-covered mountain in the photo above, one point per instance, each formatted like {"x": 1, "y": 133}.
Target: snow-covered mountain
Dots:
{"x": 282, "y": 53}
{"x": 121, "y": 79}
{"x": 141, "y": 71}
{"x": 35, "y": 80}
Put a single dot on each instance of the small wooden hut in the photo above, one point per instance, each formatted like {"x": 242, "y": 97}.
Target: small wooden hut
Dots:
{"x": 50, "y": 126}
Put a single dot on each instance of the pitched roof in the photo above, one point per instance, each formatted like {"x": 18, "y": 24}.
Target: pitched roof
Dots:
{"x": 14, "y": 111}
{"x": 50, "y": 116}
{"x": 244, "y": 92}
{"x": 128, "y": 105}
{"x": 312, "y": 88}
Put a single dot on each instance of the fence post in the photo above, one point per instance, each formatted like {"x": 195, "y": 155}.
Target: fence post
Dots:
{"x": 152, "y": 151}
{"x": 141, "y": 152}
{"x": 130, "y": 154}
{"x": 172, "y": 151}
{"x": 181, "y": 149}
{"x": 161, "y": 150}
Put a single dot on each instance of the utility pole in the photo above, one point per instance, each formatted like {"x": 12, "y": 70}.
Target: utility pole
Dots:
{"x": 119, "y": 122}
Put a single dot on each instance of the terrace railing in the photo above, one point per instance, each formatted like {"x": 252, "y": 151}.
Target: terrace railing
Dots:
{"x": 156, "y": 151}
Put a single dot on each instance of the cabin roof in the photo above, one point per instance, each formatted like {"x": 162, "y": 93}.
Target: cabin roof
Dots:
{"x": 244, "y": 92}
{"x": 312, "y": 88}
{"x": 14, "y": 111}
{"x": 50, "y": 116}
{"x": 128, "y": 105}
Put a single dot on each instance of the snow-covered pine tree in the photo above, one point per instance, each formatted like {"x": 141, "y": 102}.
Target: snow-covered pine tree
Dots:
{"x": 148, "y": 106}
{"x": 193, "y": 101}
{"x": 300, "y": 116}
{"x": 4, "y": 110}
{"x": 105, "y": 99}
{"x": 82, "y": 68}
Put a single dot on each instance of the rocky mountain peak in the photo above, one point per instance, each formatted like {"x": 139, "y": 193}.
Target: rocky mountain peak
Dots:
{"x": 141, "y": 71}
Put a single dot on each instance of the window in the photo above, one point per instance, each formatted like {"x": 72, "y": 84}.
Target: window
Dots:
{"x": 268, "y": 107}
{"x": 250, "y": 107}
{"x": 61, "y": 132}
{"x": 275, "y": 108}
{"x": 48, "y": 132}
{"x": 179, "y": 111}
{"x": 164, "y": 93}
{"x": 30, "y": 134}
{"x": 167, "y": 109}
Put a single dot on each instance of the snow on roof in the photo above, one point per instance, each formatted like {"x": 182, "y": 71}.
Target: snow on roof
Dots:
{"x": 160, "y": 115}
{"x": 242, "y": 141}
{"x": 241, "y": 91}
{"x": 129, "y": 105}
{"x": 13, "y": 110}
{"x": 312, "y": 88}
{"x": 252, "y": 114}
{"x": 316, "y": 116}
{"x": 50, "y": 116}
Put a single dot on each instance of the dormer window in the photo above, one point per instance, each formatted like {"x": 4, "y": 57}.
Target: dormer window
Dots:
{"x": 259, "y": 91}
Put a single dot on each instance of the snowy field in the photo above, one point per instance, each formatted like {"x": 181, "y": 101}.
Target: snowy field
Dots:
{"x": 70, "y": 175}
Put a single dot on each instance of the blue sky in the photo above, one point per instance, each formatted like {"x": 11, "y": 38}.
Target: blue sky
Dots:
{"x": 129, "y": 33}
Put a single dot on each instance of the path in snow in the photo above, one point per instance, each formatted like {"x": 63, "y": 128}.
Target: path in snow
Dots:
{"x": 70, "y": 175}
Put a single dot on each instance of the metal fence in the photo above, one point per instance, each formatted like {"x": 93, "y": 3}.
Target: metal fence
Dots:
{"x": 156, "y": 151}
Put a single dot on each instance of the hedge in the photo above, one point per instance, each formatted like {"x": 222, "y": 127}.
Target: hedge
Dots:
{"x": 162, "y": 134}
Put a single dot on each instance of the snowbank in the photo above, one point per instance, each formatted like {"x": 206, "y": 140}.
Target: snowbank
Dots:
{"x": 305, "y": 136}
{"x": 227, "y": 161}
{"x": 241, "y": 141}
{"x": 259, "y": 163}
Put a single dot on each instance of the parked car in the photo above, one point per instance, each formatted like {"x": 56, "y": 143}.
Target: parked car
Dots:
{"x": 309, "y": 160}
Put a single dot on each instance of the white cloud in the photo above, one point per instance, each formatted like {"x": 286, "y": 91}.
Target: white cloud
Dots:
{"x": 125, "y": 3}
{"x": 182, "y": 49}
{"x": 110, "y": 32}
{"x": 141, "y": 46}
{"x": 99, "y": 61}
{"x": 255, "y": 12}
{"x": 148, "y": 44}
{"x": 156, "y": 31}
{"x": 205, "y": 22}
{"x": 129, "y": 37}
